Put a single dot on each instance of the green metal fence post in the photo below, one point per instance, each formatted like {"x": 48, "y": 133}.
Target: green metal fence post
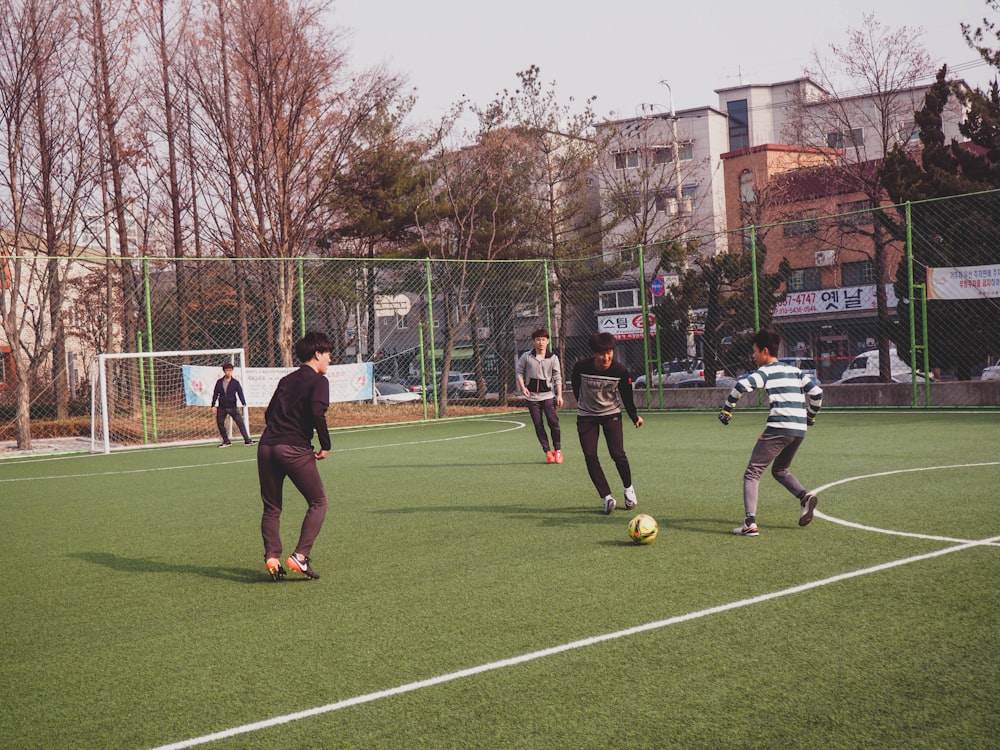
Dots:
{"x": 430, "y": 328}
{"x": 302, "y": 298}
{"x": 149, "y": 343}
{"x": 753, "y": 274}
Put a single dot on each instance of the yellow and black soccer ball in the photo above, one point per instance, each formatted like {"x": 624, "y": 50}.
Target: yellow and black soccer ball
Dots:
{"x": 643, "y": 529}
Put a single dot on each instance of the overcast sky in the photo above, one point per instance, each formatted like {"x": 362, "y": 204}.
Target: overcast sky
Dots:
{"x": 620, "y": 50}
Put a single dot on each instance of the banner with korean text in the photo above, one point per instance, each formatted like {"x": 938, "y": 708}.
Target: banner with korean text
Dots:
{"x": 347, "y": 383}
{"x": 966, "y": 282}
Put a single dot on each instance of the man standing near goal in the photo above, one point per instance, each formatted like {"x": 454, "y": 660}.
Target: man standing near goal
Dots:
{"x": 297, "y": 409}
{"x": 227, "y": 391}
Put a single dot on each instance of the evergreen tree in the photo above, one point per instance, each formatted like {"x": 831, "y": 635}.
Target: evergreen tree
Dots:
{"x": 961, "y": 334}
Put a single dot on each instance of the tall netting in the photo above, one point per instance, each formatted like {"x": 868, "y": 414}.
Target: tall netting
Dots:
{"x": 157, "y": 397}
{"x": 874, "y": 296}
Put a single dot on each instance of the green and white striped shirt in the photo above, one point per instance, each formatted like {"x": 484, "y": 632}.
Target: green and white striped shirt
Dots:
{"x": 792, "y": 394}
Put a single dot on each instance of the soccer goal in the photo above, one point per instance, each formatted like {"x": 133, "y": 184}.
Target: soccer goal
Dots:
{"x": 157, "y": 398}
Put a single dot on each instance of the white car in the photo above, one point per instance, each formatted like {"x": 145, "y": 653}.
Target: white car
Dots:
{"x": 394, "y": 393}
{"x": 864, "y": 368}
{"x": 673, "y": 373}
{"x": 991, "y": 373}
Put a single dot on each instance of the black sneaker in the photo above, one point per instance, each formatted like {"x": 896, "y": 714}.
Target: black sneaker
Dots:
{"x": 225, "y": 445}
{"x": 248, "y": 442}
{"x": 808, "y": 505}
{"x": 302, "y": 566}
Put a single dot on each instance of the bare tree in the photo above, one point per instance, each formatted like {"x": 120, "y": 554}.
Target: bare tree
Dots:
{"x": 40, "y": 96}
{"x": 879, "y": 72}
{"x": 570, "y": 226}
{"x": 273, "y": 84}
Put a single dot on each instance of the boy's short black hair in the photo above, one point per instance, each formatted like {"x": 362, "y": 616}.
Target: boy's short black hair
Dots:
{"x": 540, "y": 332}
{"x": 767, "y": 338}
{"x": 227, "y": 366}
{"x": 602, "y": 342}
{"x": 313, "y": 343}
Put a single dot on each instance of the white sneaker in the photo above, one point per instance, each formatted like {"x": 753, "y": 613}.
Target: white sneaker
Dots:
{"x": 630, "y": 499}
{"x": 807, "y": 508}
{"x": 609, "y": 505}
{"x": 747, "y": 530}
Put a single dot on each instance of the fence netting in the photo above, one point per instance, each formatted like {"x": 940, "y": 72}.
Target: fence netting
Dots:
{"x": 920, "y": 282}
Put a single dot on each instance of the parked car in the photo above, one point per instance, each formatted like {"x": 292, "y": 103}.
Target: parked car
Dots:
{"x": 413, "y": 384}
{"x": 991, "y": 373}
{"x": 673, "y": 372}
{"x": 864, "y": 368}
{"x": 460, "y": 384}
{"x": 394, "y": 393}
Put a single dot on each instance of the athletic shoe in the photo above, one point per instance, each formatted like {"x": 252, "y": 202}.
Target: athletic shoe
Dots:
{"x": 609, "y": 505}
{"x": 808, "y": 503}
{"x": 550, "y": 457}
{"x": 747, "y": 530}
{"x": 225, "y": 445}
{"x": 558, "y": 457}
{"x": 274, "y": 568}
{"x": 302, "y": 566}
{"x": 630, "y": 499}
{"x": 248, "y": 442}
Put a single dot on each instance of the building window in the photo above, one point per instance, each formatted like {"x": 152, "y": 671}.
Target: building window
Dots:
{"x": 689, "y": 198}
{"x": 804, "y": 280}
{"x": 620, "y": 299}
{"x": 861, "y": 273}
{"x": 739, "y": 124}
{"x": 627, "y": 159}
{"x": 855, "y": 214}
{"x": 686, "y": 151}
{"x": 807, "y": 225}
{"x": 662, "y": 155}
{"x": 747, "y": 193}
{"x": 839, "y": 140}
{"x": 402, "y": 322}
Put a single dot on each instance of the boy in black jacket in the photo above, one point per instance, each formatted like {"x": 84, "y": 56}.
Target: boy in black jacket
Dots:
{"x": 602, "y": 388}
{"x": 227, "y": 391}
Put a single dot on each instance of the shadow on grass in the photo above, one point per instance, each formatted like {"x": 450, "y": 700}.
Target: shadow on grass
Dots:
{"x": 149, "y": 565}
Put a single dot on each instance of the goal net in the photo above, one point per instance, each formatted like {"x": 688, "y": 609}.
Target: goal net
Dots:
{"x": 156, "y": 398}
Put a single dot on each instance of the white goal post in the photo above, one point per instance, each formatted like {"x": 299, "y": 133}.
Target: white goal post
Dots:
{"x": 157, "y": 398}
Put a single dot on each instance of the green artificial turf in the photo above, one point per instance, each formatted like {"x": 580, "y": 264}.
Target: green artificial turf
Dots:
{"x": 136, "y": 611}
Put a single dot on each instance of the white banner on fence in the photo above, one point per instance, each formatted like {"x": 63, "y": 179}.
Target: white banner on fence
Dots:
{"x": 842, "y": 299}
{"x": 347, "y": 383}
{"x": 625, "y": 326}
{"x": 966, "y": 282}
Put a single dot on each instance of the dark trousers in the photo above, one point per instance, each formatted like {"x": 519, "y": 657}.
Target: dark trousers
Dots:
{"x": 589, "y": 429}
{"x": 548, "y": 408}
{"x": 274, "y": 463}
{"x": 220, "y": 419}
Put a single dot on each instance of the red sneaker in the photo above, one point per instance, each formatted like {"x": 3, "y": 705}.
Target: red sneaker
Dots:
{"x": 558, "y": 457}
{"x": 550, "y": 457}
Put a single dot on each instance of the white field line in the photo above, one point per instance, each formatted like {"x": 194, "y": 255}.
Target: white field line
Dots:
{"x": 213, "y": 464}
{"x": 893, "y": 532}
{"x": 516, "y": 660}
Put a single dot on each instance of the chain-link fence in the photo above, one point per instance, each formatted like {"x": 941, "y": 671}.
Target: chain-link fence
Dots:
{"x": 906, "y": 294}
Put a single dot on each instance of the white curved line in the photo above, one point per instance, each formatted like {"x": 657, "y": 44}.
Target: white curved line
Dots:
{"x": 893, "y": 532}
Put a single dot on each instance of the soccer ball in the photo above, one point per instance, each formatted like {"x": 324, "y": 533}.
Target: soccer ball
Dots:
{"x": 643, "y": 529}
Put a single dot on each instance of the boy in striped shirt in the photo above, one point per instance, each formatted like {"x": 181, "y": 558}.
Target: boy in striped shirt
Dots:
{"x": 795, "y": 398}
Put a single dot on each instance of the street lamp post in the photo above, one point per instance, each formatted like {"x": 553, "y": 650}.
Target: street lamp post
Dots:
{"x": 679, "y": 198}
